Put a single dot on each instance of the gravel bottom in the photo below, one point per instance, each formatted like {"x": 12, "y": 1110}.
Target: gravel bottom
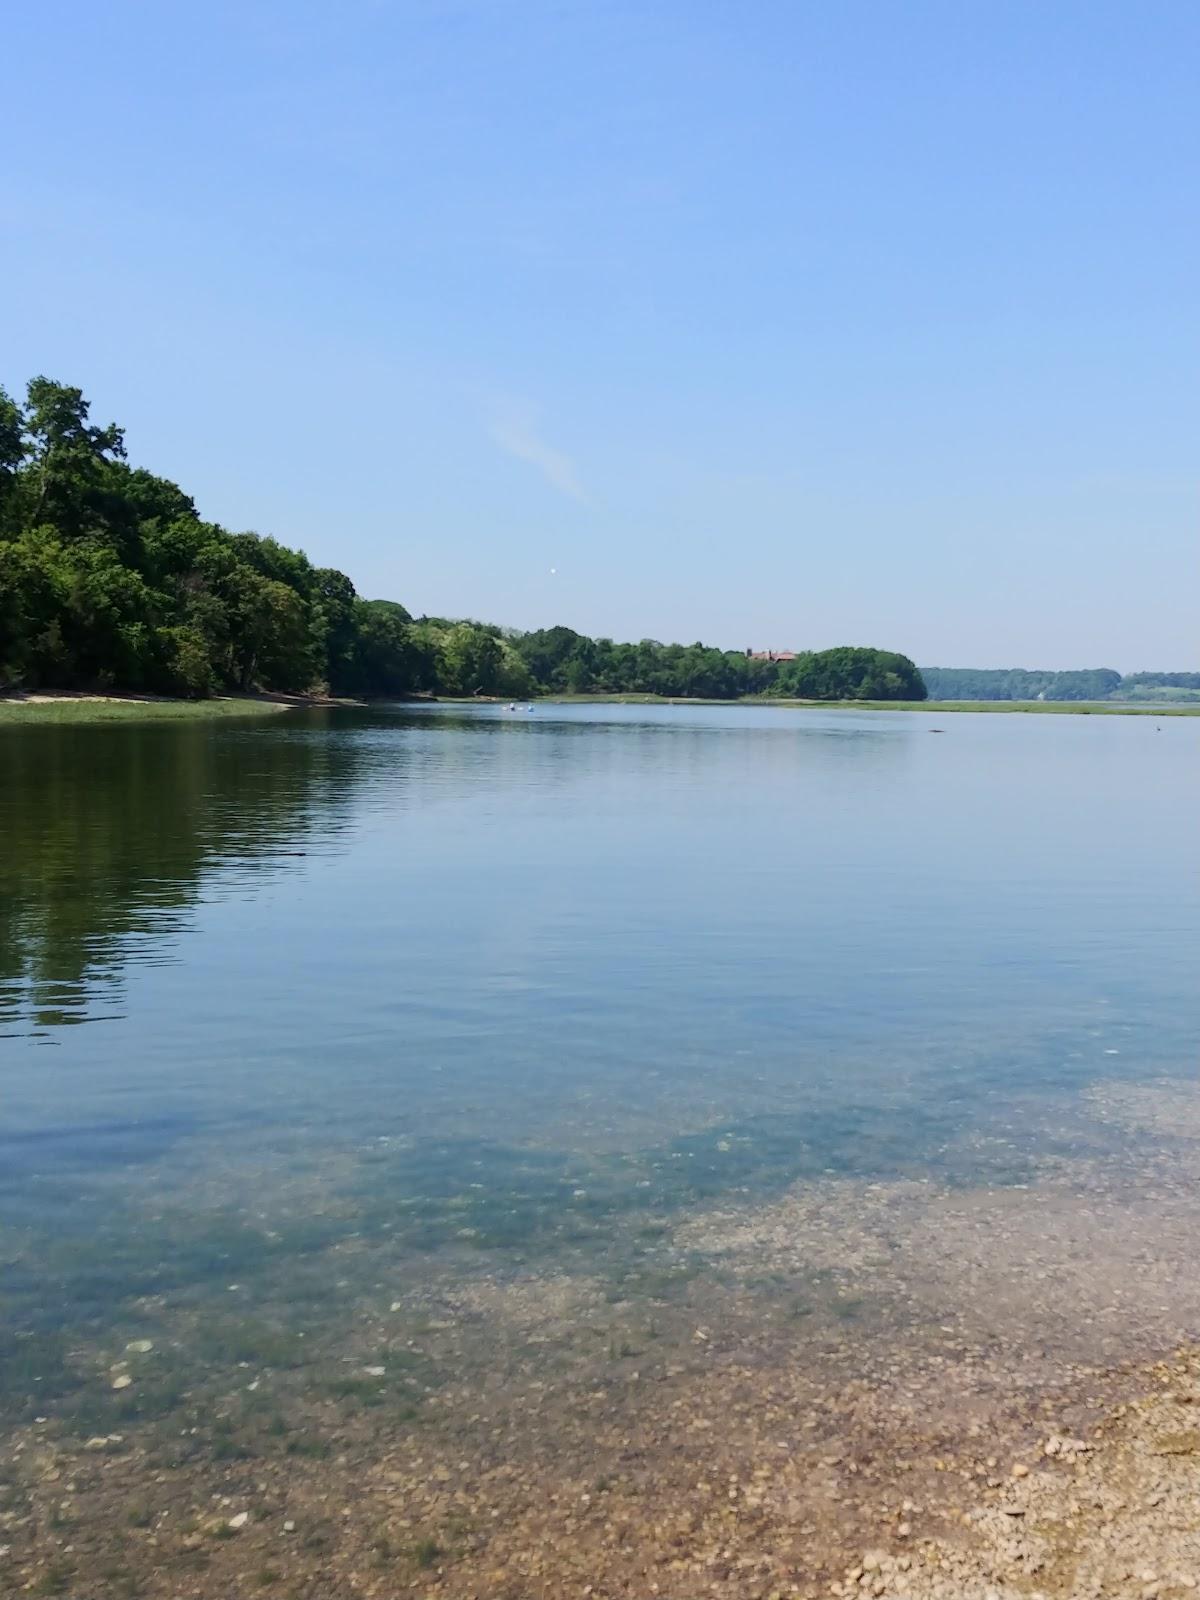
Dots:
{"x": 884, "y": 1389}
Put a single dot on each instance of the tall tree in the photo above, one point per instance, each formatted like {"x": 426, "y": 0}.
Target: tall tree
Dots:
{"x": 12, "y": 453}
{"x": 68, "y": 454}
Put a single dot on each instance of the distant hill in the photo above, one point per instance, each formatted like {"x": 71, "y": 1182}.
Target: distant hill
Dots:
{"x": 1092, "y": 683}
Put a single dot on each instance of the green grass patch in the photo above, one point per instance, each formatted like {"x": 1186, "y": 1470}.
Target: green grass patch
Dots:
{"x": 16, "y": 713}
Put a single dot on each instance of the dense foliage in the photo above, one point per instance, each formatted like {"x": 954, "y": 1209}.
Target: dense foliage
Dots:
{"x": 110, "y": 577}
{"x": 1016, "y": 683}
{"x": 563, "y": 661}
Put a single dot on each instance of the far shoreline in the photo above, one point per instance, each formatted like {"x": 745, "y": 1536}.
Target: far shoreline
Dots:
{"x": 1028, "y": 707}
{"x": 66, "y": 707}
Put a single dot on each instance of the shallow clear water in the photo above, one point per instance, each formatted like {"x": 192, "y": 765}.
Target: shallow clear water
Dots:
{"x": 504, "y": 976}
{"x": 634, "y": 1087}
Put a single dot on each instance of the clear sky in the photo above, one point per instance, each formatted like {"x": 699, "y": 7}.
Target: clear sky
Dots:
{"x": 772, "y": 323}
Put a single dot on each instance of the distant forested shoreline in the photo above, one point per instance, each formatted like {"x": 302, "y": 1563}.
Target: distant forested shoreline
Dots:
{"x": 1094, "y": 684}
{"x": 111, "y": 579}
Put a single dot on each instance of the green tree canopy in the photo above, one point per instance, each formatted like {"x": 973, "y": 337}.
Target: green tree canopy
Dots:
{"x": 109, "y": 576}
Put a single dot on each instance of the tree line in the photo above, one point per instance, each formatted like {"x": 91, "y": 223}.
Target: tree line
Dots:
{"x": 110, "y": 578}
{"x": 1019, "y": 683}
{"x": 562, "y": 661}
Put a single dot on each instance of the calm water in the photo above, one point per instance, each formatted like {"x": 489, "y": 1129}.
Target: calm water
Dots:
{"x": 467, "y": 975}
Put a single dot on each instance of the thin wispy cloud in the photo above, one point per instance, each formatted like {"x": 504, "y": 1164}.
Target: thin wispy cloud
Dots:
{"x": 516, "y": 433}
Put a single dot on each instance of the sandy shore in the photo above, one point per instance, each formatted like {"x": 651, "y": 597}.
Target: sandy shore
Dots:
{"x": 1113, "y": 1513}
{"x": 1107, "y": 1509}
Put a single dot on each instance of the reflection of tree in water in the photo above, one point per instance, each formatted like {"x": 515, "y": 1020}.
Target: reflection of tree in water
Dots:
{"x": 111, "y": 834}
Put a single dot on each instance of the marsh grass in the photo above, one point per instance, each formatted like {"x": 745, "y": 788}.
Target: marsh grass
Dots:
{"x": 29, "y": 713}
{"x": 1046, "y": 707}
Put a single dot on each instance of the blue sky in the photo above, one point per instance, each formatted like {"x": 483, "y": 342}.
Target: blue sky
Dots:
{"x": 762, "y": 323}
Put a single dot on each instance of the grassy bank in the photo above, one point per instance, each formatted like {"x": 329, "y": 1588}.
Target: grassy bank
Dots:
{"x": 1035, "y": 707}
{"x": 1072, "y": 708}
{"x": 25, "y": 712}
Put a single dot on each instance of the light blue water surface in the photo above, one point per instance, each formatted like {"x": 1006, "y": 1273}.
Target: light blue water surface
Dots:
{"x": 585, "y": 931}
